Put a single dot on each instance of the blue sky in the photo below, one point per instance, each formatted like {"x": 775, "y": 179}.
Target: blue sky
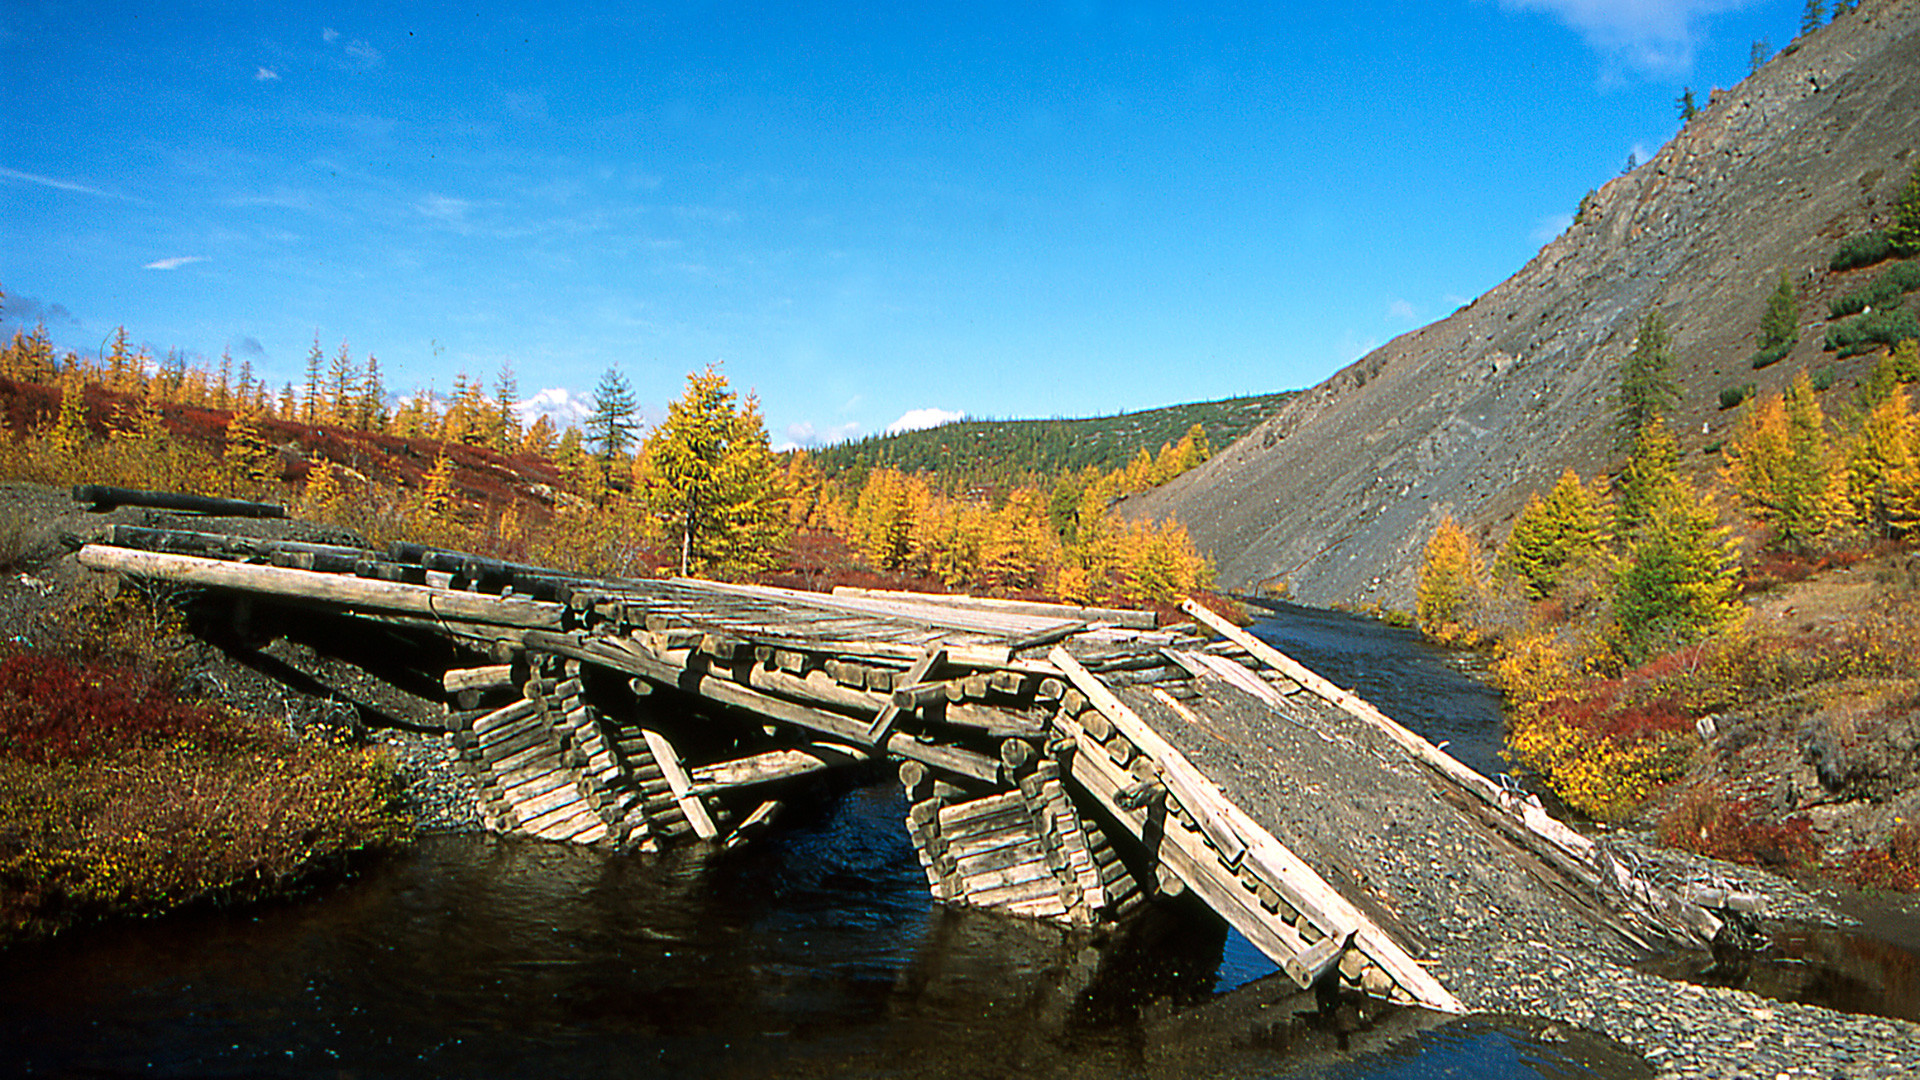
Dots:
{"x": 869, "y": 214}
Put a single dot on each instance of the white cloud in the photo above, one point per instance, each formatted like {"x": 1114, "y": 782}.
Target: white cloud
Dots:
{"x": 364, "y": 52}
{"x": 1655, "y": 36}
{"x": 329, "y": 35}
{"x": 804, "y": 435}
{"x": 915, "y": 419}
{"x": 58, "y": 185}
{"x": 446, "y": 210}
{"x": 266, "y": 74}
{"x": 174, "y": 263}
{"x": 1400, "y": 309}
{"x": 562, "y": 407}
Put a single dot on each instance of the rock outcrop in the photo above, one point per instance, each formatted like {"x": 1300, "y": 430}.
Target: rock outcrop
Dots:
{"x": 1335, "y": 496}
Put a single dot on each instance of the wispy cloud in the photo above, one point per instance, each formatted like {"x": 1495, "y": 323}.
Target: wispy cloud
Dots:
{"x": 915, "y": 419}
{"x": 59, "y": 185}
{"x": 174, "y": 263}
{"x": 1654, "y": 36}
{"x": 446, "y": 210}
{"x": 805, "y": 435}
{"x": 357, "y": 48}
{"x": 1400, "y": 309}
{"x": 266, "y": 74}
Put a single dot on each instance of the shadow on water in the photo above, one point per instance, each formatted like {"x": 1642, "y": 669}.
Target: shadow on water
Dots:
{"x": 818, "y": 955}
{"x": 1874, "y": 968}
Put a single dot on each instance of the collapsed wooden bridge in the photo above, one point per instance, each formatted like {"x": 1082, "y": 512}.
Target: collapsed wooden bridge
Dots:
{"x": 1047, "y": 751}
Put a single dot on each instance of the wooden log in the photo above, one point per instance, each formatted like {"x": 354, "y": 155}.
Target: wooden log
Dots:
{"x": 490, "y": 677}
{"x": 758, "y": 821}
{"x": 103, "y": 497}
{"x": 1122, "y": 617}
{"x": 1198, "y": 868}
{"x": 331, "y": 589}
{"x": 682, "y": 785}
{"x": 841, "y": 728}
{"x": 773, "y": 765}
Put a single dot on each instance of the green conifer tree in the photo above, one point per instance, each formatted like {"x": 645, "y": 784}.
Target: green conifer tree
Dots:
{"x": 1646, "y": 390}
{"x": 1675, "y": 584}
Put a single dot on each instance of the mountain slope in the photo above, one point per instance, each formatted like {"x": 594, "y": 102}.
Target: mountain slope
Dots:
{"x": 1336, "y": 495}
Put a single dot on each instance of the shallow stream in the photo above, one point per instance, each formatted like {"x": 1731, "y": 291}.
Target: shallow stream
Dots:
{"x": 814, "y": 952}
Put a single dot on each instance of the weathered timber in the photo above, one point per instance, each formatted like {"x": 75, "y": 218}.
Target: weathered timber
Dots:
{"x": 334, "y": 589}
{"x": 681, "y": 784}
{"x": 774, "y": 765}
{"x": 1134, "y": 619}
{"x": 103, "y": 497}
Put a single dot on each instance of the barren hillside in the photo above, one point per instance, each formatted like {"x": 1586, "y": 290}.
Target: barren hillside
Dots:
{"x": 1336, "y": 495}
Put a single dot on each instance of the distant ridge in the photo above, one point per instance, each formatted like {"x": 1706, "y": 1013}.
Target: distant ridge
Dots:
{"x": 1334, "y": 498}
{"x": 996, "y": 452}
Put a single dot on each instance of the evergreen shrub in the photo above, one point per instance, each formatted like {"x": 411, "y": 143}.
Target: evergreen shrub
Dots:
{"x": 1863, "y": 250}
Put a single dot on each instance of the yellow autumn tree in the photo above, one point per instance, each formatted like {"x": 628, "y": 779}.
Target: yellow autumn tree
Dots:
{"x": 1451, "y": 582}
{"x": 1781, "y": 463}
{"x": 707, "y": 474}
{"x": 1883, "y": 468}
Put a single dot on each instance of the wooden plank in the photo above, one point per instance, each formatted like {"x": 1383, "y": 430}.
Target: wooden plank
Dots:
{"x": 774, "y": 765}
{"x": 883, "y": 723}
{"x": 1126, "y": 617}
{"x": 682, "y": 785}
{"x": 1186, "y": 782}
{"x": 311, "y": 586}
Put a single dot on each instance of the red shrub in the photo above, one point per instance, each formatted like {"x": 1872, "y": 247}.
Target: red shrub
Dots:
{"x": 52, "y": 709}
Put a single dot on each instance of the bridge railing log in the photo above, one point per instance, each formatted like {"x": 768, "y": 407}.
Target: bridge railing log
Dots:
{"x": 1647, "y": 908}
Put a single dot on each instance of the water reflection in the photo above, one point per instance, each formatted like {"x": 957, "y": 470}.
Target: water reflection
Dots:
{"x": 819, "y": 955}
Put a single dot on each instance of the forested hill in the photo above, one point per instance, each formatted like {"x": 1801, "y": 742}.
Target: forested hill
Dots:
{"x": 998, "y": 452}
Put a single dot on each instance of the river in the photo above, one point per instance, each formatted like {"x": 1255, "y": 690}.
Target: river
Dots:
{"x": 815, "y": 952}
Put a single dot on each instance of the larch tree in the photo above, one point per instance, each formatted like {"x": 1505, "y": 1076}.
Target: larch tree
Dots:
{"x": 1904, "y": 232}
{"x": 312, "y": 409}
{"x": 1782, "y": 466}
{"x": 708, "y": 475}
{"x": 1646, "y": 391}
{"x": 1779, "y": 325}
{"x": 1675, "y": 585}
{"x": 610, "y": 425}
{"x": 1450, "y": 583}
{"x": 1552, "y": 535}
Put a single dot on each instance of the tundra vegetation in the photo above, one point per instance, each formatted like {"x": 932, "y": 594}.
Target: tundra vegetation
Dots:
{"x": 1617, "y": 608}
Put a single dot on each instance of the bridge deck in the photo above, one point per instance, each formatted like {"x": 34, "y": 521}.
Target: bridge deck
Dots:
{"x": 1061, "y": 762}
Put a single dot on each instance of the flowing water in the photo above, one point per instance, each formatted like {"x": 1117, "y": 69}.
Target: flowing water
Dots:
{"x": 815, "y": 951}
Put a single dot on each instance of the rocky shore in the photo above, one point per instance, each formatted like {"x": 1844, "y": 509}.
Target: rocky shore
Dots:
{"x": 1518, "y": 958}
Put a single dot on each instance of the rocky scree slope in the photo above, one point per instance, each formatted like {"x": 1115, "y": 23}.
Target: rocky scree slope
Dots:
{"x": 1334, "y": 497}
